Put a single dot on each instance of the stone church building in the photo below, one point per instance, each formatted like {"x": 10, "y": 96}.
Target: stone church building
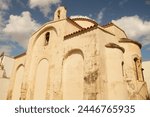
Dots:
{"x": 78, "y": 59}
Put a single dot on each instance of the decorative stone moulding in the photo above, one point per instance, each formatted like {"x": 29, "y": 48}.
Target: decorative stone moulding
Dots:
{"x": 113, "y": 45}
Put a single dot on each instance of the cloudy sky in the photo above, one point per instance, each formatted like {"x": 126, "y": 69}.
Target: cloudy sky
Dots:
{"x": 20, "y": 18}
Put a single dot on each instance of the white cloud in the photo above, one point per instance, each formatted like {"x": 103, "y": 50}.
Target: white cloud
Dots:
{"x": 100, "y": 15}
{"x": 135, "y": 27}
{"x": 19, "y": 28}
{"x": 4, "y": 4}
{"x": 79, "y": 16}
{"x": 43, "y": 5}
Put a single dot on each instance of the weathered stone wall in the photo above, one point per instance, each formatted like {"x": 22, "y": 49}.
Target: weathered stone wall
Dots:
{"x": 115, "y": 77}
{"x": 17, "y": 78}
{"x": 135, "y": 84}
{"x": 146, "y": 67}
{"x": 5, "y": 74}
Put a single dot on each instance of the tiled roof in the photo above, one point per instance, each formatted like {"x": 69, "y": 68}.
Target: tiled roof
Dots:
{"x": 80, "y": 31}
{"x": 107, "y": 25}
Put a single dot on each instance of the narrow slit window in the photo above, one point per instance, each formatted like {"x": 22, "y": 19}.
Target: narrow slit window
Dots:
{"x": 122, "y": 64}
{"x": 136, "y": 68}
{"x": 58, "y": 14}
{"x": 142, "y": 74}
{"x": 47, "y": 36}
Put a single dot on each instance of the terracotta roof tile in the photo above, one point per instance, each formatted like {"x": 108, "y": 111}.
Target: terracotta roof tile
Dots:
{"x": 80, "y": 31}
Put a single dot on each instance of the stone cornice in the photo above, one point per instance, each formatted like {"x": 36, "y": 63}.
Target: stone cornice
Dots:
{"x": 126, "y": 40}
{"x": 113, "y": 45}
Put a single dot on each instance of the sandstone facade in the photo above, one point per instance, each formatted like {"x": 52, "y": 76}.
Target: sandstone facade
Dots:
{"x": 146, "y": 68}
{"x": 78, "y": 59}
{"x": 6, "y": 66}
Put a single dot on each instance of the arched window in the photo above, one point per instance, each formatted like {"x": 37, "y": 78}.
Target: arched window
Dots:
{"x": 58, "y": 14}
{"x": 47, "y": 36}
{"x": 138, "y": 69}
{"x": 142, "y": 74}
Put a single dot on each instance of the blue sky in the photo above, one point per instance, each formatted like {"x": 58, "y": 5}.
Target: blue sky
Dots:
{"x": 20, "y": 18}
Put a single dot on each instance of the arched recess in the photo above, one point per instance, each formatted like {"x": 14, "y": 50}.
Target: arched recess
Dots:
{"x": 41, "y": 77}
{"x": 137, "y": 67}
{"x": 16, "y": 94}
{"x": 73, "y": 76}
{"x": 45, "y": 29}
